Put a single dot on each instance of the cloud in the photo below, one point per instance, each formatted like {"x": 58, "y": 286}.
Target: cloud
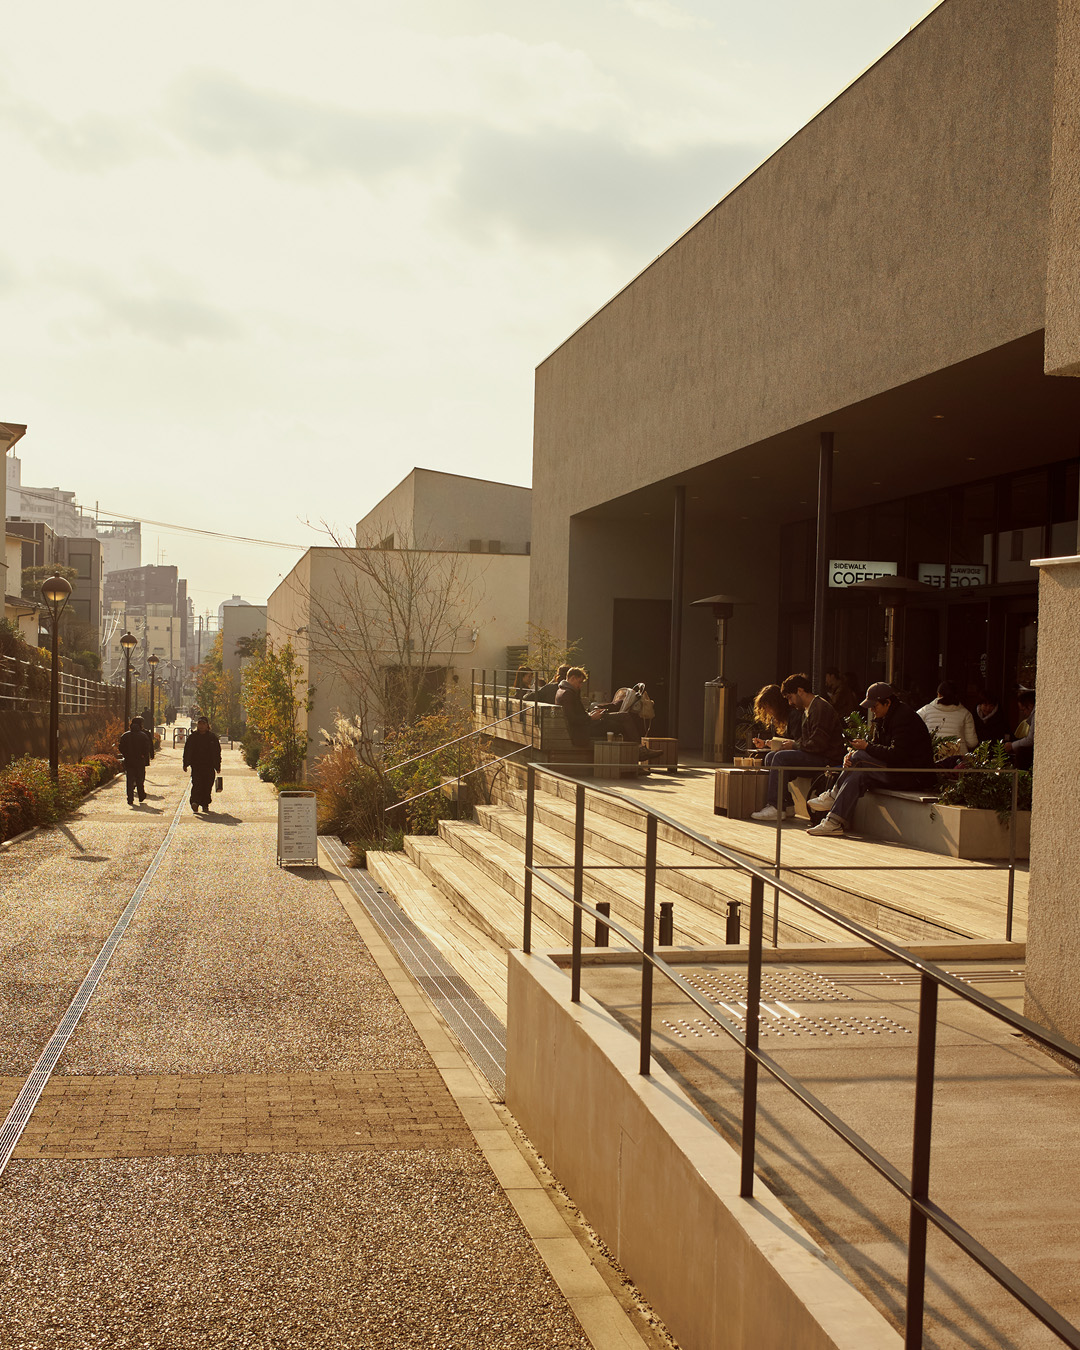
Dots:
{"x": 665, "y": 14}
{"x": 162, "y": 310}
{"x": 596, "y": 188}
{"x": 88, "y": 144}
{"x": 295, "y": 137}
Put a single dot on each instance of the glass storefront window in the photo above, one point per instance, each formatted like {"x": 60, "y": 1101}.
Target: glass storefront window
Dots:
{"x": 973, "y": 524}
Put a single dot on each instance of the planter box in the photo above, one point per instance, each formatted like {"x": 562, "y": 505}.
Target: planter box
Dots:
{"x": 956, "y": 831}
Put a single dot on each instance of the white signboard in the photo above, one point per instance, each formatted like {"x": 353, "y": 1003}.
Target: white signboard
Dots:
{"x": 961, "y": 575}
{"x": 843, "y": 574}
{"x": 297, "y": 836}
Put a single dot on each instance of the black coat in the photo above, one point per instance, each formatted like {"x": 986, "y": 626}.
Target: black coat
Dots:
{"x": 202, "y": 752}
{"x": 577, "y": 719}
{"x": 993, "y": 728}
{"x": 902, "y": 740}
{"x": 136, "y": 747}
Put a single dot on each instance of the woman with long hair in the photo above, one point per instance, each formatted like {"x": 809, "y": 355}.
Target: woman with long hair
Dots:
{"x": 771, "y": 714}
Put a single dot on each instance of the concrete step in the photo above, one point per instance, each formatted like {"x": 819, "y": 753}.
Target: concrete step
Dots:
{"x": 473, "y": 953}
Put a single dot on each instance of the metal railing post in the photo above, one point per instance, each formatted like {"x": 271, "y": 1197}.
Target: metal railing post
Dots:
{"x": 530, "y": 796}
{"x": 750, "y": 1064}
{"x": 776, "y": 866}
{"x": 920, "y": 1162}
{"x": 483, "y": 695}
{"x": 579, "y": 882}
{"x": 732, "y": 930}
{"x": 1012, "y": 855}
{"x": 600, "y": 938}
{"x": 647, "y": 934}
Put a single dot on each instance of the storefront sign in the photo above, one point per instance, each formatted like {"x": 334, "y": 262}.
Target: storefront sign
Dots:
{"x": 843, "y": 574}
{"x": 961, "y": 575}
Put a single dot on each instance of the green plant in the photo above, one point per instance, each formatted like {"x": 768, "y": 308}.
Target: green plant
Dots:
{"x": 251, "y": 749}
{"x": 274, "y": 696}
{"x": 990, "y": 791}
{"x": 856, "y": 728}
{"x": 547, "y": 652}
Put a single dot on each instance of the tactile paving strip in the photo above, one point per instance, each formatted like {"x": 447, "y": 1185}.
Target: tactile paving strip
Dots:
{"x": 475, "y": 1025}
{"x": 785, "y": 984}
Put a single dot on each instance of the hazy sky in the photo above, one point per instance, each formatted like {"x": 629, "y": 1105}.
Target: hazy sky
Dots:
{"x": 259, "y": 260}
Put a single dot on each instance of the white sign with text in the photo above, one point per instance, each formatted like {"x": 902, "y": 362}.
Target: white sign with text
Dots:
{"x": 961, "y": 575}
{"x": 297, "y": 835}
{"x": 843, "y": 574}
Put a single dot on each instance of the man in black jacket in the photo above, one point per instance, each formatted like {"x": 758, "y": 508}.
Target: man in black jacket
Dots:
{"x": 137, "y": 750}
{"x": 820, "y": 743}
{"x": 899, "y": 739}
{"x": 202, "y": 755}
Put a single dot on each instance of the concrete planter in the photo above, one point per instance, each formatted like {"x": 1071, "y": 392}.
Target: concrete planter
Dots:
{"x": 956, "y": 831}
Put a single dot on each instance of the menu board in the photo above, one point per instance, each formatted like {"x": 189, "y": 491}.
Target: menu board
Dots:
{"x": 297, "y": 836}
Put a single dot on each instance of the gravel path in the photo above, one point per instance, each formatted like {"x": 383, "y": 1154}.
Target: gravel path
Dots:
{"x": 235, "y": 968}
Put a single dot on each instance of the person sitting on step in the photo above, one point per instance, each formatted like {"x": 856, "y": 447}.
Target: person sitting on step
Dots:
{"x": 820, "y": 743}
{"x": 899, "y": 739}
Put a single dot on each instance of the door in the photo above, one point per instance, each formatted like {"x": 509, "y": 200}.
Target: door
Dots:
{"x": 641, "y": 650}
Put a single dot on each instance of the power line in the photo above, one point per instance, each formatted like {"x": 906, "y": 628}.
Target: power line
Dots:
{"x": 166, "y": 525}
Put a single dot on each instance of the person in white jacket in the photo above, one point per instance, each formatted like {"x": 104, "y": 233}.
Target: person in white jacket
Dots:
{"x": 948, "y": 717}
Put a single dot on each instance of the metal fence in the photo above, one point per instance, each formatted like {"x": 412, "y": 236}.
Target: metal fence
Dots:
{"x": 25, "y": 685}
{"x": 915, "y": 1187}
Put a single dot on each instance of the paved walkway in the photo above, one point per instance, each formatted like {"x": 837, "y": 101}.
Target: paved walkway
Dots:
{"x": 260, "y": 1133}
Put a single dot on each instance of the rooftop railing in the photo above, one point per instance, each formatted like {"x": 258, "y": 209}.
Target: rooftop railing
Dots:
{"x": 914, "y": 1187}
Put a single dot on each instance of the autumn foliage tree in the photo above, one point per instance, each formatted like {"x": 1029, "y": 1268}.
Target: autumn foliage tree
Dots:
{"x": 274, "y": 696}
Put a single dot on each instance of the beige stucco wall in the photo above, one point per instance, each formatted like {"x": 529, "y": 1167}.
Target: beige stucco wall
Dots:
{"x": 429, "y": 509}
{"x": 903, "y": 230}
{"x": 497, "y": 607}
{"x": 1053, "y": 951}
{"x": 239, "y": 621}
{"x": 1062, "y": 353}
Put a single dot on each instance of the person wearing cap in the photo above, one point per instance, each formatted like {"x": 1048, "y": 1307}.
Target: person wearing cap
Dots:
{"x": 899, "y": 739}
{"x": 137, "y": 750}
{"x": 202, "y": 755}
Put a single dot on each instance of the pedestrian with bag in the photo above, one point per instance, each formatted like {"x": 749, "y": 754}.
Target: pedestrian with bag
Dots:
{"x": 137, "y": 750}
{"x": 202, "y": 755}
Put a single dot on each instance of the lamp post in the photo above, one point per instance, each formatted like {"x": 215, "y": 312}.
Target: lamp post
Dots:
{"x": 153, "y": 664}
{"x": 129, "y": 642}
{"x": 56, "y": 592}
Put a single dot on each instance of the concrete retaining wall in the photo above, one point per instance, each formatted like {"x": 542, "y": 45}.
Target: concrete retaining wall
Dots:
{"x": 661, "y": 1187}
{"x": 27, "y": 733}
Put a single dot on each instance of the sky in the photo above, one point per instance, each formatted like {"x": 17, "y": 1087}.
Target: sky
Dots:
{"x": 258, "y": 261}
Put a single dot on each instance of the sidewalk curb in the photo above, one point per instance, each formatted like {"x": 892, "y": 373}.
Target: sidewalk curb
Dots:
{"x": 602, "y": 1318}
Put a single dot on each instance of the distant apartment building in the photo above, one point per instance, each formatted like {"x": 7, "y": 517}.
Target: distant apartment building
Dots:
{"x": 121, "y": 540}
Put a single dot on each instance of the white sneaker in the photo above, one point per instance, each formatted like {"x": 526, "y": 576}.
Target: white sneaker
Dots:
{"x": 830, "y": 825}
{"x": 771, "y": 813}
{"x": 824, "y": 801}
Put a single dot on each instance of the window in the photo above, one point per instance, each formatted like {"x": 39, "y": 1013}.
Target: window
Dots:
{"x": 476, "y": 546}
{"x": 494, "y": 545}
{"x": 81, "y": 563}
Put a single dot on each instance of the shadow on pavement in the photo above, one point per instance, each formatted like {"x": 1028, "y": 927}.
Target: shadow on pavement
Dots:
{"x": 220, "y": 817}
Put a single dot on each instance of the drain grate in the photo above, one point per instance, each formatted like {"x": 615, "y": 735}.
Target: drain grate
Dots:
{"x": 24, "y": 1103}
{"x": 475, "y": 1025}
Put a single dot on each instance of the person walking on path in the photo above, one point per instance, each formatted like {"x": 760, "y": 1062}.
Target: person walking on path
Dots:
{"x": 202, "y": 755}
{"x": 137, "y": 750}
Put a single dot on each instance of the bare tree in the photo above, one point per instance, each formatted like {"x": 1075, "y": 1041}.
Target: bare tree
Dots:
{"x": 391, "y": 624}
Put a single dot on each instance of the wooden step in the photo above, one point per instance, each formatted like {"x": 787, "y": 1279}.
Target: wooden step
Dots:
{"x": 476, "y": 957}
{"x": 486, "y": 905}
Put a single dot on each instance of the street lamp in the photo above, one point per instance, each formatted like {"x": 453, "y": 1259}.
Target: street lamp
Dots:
{"x": 56, "y": 592}
{"x": 129, "y": 642}
{"x": 153, "y": 664}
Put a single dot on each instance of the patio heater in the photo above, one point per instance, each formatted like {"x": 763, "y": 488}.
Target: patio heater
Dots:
{"x": 893, "y": 592}
{"x": 718, "y": 741}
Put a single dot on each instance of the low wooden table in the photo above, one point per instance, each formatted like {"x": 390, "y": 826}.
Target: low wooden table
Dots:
{"x": 739, "y": 792}
{"x": 669, "y": 745}
{"x": 615, "y": 759}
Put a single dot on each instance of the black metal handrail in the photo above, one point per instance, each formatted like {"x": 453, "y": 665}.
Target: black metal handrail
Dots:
{"x": 789, "y": 772}
{"x": 922, "y": 1210}
{"x": 477, "y": 731}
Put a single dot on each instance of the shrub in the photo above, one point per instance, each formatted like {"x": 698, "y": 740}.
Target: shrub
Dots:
{"x": 251, "y": 749}
{"x": 29, "y": 797}
{"x": 988, "y": 791}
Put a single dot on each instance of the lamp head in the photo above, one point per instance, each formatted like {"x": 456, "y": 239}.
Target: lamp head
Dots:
{"x": 129, "y": 642}
{"x": 153, "y": 662}
{"x": 56, "y": 591}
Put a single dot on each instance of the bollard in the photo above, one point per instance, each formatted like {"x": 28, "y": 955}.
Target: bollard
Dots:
{"x": 667, "y": 923}
{"x": 733, "y": 933}
{"x": 602, "y": 930}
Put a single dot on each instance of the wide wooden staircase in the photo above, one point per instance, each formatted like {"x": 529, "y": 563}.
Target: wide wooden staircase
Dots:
{"x": 465, "y": 887}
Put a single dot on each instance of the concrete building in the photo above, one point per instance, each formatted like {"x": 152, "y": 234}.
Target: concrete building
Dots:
{"x": 121, "y": 540}
{"x": 901, "y": 276}
{"x": 470, "y": 604}
{"x": 429, "y": 509}
{"x": 239, "y": 621}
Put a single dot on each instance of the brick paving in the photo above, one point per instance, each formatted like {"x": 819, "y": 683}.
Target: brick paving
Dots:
{"x": 171, "y": 1115}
